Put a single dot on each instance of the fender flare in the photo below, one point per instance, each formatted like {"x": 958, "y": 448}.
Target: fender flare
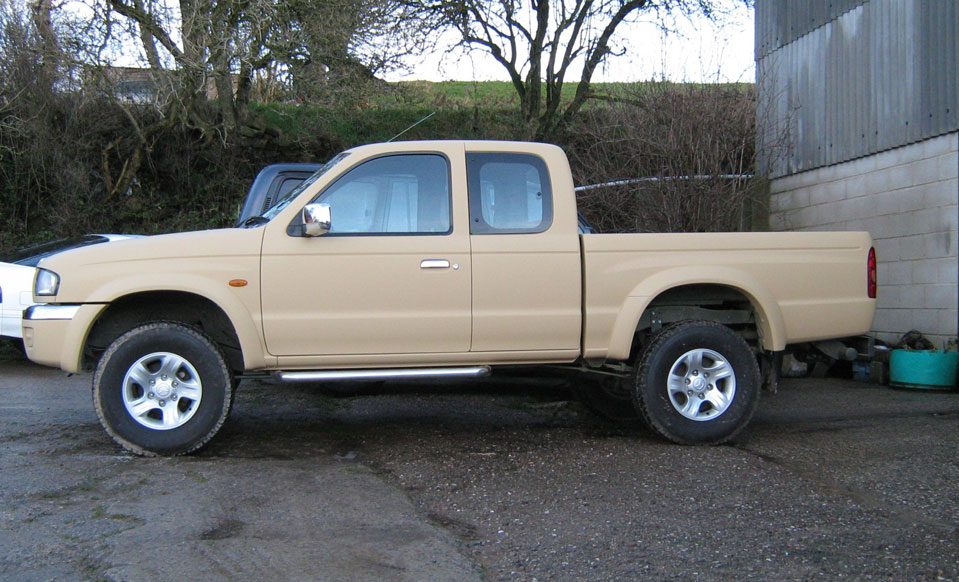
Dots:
{"x": 769, "y": 318}
{"x": 240, "y": 316}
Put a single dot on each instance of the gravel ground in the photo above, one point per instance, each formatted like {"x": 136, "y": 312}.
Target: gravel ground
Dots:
{"x": 833, "y": 480}
{"x": 501, "y": 479}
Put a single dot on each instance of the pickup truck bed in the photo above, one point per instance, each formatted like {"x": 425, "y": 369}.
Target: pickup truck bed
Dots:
{"x": 783, "y": 276}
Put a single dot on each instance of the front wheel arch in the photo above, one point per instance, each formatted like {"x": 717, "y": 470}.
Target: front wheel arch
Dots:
{"x": 130, "y": 311}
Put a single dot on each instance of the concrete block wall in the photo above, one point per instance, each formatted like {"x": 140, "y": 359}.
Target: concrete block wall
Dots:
{"x": 907, "y": 199}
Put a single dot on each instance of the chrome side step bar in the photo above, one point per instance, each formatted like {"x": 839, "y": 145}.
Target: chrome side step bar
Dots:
{"x": 328, "y": 375}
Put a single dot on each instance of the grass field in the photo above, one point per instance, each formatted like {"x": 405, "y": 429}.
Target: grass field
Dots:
{"x": 462, "y": 110}
{"x": 502, "y": 93}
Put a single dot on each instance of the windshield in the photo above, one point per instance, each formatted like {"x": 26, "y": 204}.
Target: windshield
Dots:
{"x": 284, "y": 201}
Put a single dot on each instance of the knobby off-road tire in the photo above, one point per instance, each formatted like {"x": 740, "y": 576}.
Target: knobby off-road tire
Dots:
{"x": 162, "y": 389}
{"x": 697, "y": 383}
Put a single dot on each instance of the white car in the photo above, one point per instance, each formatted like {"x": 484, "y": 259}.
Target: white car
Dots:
{"x": 15, "y": 296}
{"x": 16, "y": 277}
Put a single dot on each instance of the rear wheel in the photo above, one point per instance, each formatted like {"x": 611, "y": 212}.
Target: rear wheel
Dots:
{"x": 697, "y": 383}
{"x": 162, "y": 389}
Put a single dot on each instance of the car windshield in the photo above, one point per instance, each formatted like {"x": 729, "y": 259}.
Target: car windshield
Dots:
{"x": 283, "y": 202}
{"x": 30, "y": 256}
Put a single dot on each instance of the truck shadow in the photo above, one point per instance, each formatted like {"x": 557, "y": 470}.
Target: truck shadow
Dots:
{"x": 341, "y": 420}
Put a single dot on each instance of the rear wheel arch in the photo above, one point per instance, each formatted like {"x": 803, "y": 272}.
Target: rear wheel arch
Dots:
{"x": 721, "y": 305}
{"x": 728, "y": 305}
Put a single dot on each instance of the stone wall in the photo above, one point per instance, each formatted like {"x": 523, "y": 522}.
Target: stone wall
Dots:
{"x": 907, "y": 199}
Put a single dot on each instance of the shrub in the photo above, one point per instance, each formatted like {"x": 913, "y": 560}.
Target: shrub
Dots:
{"x": 670, "y": 152}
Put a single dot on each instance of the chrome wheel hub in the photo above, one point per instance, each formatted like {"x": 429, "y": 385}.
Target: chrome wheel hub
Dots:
{"x": 701, "y": 384}
{"x": 162, "y": 391}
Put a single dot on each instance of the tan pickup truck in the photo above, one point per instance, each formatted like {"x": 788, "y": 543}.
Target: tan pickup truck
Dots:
{"x": 446, "y": 258}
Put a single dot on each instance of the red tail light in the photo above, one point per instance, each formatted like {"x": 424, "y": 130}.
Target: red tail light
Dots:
{"x": 872, "y": 280}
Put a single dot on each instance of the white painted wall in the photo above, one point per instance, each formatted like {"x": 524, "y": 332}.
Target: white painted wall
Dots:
{"x": 907, "y": 199}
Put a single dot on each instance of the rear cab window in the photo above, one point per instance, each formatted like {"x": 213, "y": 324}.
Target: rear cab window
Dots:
{"x": 509, "y": 193}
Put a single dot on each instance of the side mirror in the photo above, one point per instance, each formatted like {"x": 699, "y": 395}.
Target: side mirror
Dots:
{"x": 317, "y": 219}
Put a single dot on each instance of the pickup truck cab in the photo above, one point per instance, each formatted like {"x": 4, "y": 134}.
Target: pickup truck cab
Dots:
{"x": 437, "y": 259}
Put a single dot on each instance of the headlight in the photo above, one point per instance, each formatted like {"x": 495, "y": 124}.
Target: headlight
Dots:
{"x": 47, "y": 283}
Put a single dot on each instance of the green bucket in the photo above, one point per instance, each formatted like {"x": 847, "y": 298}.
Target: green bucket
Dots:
{"x": 933, "y": 370}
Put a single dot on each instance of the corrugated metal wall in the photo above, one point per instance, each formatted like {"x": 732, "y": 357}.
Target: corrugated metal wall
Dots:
{"x": 843, "y": 79}
{"x": 779, "y": 22}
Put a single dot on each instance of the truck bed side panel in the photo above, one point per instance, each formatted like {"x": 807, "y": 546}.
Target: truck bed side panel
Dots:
{"x": 803, "y": 286}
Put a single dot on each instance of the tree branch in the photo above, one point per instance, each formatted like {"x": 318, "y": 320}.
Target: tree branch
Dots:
{"x": 150, "y": 25}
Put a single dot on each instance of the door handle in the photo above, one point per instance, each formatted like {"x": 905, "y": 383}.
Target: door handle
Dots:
{"x": 434, "y": 264}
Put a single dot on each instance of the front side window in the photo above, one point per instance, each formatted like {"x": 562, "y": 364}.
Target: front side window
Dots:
{"x": 401, "y": 194}
{"x": 509, "y": 193}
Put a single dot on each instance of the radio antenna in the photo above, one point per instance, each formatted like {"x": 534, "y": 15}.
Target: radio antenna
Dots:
{"x": 411, "y": 127}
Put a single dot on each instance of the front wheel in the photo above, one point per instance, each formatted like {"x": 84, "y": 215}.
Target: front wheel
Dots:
{"x": 162, "y": 389}
{"x": 697, "y": 383}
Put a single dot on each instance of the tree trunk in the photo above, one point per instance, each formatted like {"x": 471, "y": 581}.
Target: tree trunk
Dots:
{"x": 50, "y": 48}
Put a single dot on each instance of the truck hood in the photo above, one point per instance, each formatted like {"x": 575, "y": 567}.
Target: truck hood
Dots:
{"x": 181, "y": 261}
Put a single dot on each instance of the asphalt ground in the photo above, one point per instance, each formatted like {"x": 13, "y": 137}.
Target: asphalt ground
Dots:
{"x": 501, "y": 479}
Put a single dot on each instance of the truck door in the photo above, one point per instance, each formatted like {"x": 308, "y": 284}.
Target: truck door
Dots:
{"x": 391, "y": 277}
{"x": 526, "y": 256}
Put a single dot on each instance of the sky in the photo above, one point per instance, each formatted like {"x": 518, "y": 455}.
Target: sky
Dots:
{"x": 695, "y": 51}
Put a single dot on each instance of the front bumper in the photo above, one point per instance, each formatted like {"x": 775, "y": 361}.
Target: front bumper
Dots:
{"x": 54, "y": 335}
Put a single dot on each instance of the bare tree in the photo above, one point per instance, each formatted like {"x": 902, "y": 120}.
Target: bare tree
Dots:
{"x": 543, "y": 44}
{"x": 202, "y": 38}
{"x": 36, "y": 123}
{"x": 50, "y": 49}
{"x": 327, "y": 45}
{"x": 222, "y": 46}
{"x": 198, "y": 51}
